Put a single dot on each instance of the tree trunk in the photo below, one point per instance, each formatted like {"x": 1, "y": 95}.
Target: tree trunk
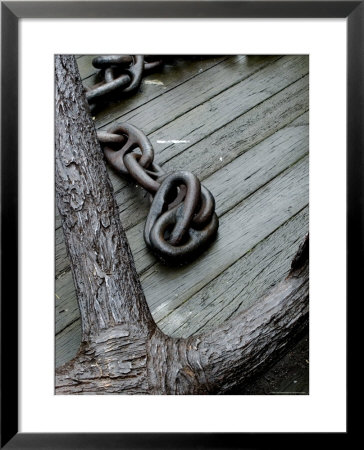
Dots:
{"x": 122, "y": 349}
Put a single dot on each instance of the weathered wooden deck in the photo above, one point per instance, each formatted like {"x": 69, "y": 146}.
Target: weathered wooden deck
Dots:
{"x": 244, "y": 126}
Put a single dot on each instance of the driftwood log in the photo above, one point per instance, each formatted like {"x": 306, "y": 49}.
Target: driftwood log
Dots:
{"x": 122, "y": 350}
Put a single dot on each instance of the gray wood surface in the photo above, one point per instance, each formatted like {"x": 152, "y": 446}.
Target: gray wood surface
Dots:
{"x": 244, "y": 121}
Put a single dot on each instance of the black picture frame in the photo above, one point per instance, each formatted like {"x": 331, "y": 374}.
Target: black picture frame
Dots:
{"x": 11, "y": 12}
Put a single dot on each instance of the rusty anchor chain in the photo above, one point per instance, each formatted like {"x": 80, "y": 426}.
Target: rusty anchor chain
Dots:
{"x": 181, "y": 221}
{"x": 120, "y": 74}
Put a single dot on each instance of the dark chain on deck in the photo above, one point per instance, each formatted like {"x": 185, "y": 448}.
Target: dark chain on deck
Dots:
{"x": 182, "y": 219}
{"x": 120, "y": 74}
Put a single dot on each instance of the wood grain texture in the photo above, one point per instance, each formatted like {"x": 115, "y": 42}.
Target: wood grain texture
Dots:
{"x": 224, "y": 145}
{"x": 242, "y": 284}
{"x": 237, "y": 288}
{"x": 239, "y": 179}
{"x": 186, "y": 70}
{"x": 255, "y": 126}
{"x": 240, "y": 229}
{"x": 174, "y": 102}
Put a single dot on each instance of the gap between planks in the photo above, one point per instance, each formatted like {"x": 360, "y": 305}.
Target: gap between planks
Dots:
{"x": 166, "y": 155}
{"x": 255, "y": 128}
{"x": 141, "y": 254}
{"x": 289, "y": 65}
{"x": 278, "y": 141}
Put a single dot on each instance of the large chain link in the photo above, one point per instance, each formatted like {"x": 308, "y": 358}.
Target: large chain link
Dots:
{"x": 120, "y": 74}
{"x": 182, "y": 219}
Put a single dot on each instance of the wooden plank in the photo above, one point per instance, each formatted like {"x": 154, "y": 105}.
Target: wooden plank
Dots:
{"x": 268, "y": 254}
{"x": 57, "y": 221}
{"x": 155, "y": 84}
{"x": 219, "y": 111}
{"x": 239, "y": 287}
{"x": 148, "y": 267}
{"x": 223, "y": 145}
{"x": 66, "y": 307}
{"x": 225, "y": 107}
{"x": 166, "y": 288}
{"x": 186, "y": 67}
{"x": 85, "y": 66}
{"x": 301, "y": 120}
{"x": 236, "y": 182}
{"x": 62, "y": 262}
{"x": 132, "y": 201}
{"x": 186, "y": 70}
{"x": 243, "y": 133}
{"x": 256, "y": 167}
{"x": 227, "y": 144}
{"x": 184, "y": 96}
{"x": 230, "y": 186}
{"x": 68, "y": 343}
{"x": 202, "y": 88}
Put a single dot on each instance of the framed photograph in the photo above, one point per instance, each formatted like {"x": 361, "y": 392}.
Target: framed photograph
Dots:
{"x": 262, "y": 122}
{"x": 250, "y": 148}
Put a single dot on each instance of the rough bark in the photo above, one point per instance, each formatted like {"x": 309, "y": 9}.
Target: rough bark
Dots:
{"x": 122, "y": 349}
{"x": 108, "y": 289}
